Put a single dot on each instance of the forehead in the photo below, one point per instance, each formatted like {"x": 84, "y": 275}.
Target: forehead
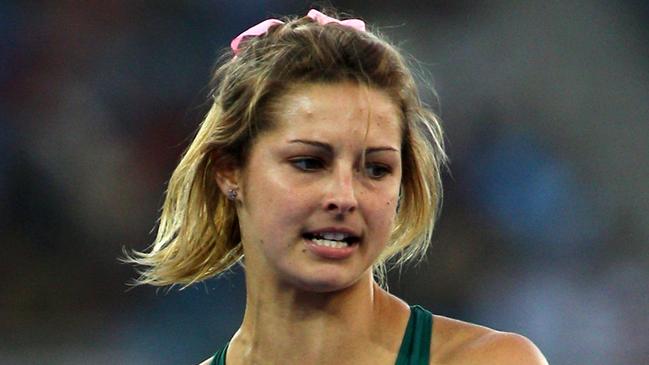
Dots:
{"x": 339, "y": 110}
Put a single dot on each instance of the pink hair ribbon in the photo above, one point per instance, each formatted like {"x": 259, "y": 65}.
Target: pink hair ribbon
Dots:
{"x": 324, "y": 19}
{"x": 262, "y": 28}
{"x": 255, "y": 31}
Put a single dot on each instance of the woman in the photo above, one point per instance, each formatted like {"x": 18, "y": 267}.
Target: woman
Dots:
{"x": 316, "y": 163}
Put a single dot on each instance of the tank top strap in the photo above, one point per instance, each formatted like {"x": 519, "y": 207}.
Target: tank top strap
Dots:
{"x": 219, "y": 357}
{"x": 415, "y": 346}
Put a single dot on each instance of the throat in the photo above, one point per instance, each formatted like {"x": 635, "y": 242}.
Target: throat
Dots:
{"x": 305, "y": 328}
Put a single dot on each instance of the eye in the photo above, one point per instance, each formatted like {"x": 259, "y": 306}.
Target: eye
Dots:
{"x": 308, "y": 164}
{"x": 377, "y": 171}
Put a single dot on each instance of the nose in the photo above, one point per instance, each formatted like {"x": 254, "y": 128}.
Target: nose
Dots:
{"x": 340, "y": 197}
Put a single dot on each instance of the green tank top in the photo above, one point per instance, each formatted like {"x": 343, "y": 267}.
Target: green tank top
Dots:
{"x": 415, "y": 346}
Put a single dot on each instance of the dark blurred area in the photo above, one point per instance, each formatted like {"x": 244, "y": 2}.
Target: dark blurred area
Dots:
{"x": 544, "y": 230}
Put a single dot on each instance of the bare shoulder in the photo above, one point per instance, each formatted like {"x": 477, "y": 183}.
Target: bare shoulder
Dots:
{"x": 457, "y": 343}
{"x": 506, "y": 348}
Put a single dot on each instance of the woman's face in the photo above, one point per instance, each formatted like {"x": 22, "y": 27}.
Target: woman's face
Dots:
{"x": 319, "y": 190}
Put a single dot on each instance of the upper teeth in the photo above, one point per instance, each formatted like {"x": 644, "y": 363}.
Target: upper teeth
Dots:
{"x": 333, "y": 236}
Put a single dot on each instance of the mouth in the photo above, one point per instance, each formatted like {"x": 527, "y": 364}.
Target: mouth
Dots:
{"x": 332, "y": 239}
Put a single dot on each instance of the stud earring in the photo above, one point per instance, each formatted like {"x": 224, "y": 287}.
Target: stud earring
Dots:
{"x": 232, "y": 194}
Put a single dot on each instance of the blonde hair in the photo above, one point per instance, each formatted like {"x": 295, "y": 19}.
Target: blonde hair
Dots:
{"x": 198, "y": 233}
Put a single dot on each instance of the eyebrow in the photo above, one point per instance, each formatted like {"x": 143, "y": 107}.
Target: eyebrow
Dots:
{"x": 329, "y": 149}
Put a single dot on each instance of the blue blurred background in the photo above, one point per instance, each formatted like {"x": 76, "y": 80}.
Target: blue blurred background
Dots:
{"x": 545, "y": 225}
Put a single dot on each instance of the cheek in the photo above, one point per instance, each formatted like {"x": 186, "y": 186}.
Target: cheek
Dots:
{"x": 383, "y": 214}
{"x": 278, "y": 203}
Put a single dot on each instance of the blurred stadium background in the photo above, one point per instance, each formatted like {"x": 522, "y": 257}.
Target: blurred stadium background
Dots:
{"x": 544, "y": 231}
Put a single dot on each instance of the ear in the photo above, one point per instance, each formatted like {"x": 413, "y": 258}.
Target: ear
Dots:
{"x": 227, "y": 176}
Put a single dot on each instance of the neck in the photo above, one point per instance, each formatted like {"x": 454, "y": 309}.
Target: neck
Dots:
{"x": 282, "y": 323}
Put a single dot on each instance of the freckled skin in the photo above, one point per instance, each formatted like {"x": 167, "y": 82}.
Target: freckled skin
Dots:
{"x": 280, "y": 199}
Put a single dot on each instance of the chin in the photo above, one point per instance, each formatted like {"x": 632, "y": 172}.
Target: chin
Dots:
{"x": 321, "y": 286}
{"x": 324, "y": 282}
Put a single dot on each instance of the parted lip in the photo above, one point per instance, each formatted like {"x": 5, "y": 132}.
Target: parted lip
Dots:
{"x": 351, "y": 234}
